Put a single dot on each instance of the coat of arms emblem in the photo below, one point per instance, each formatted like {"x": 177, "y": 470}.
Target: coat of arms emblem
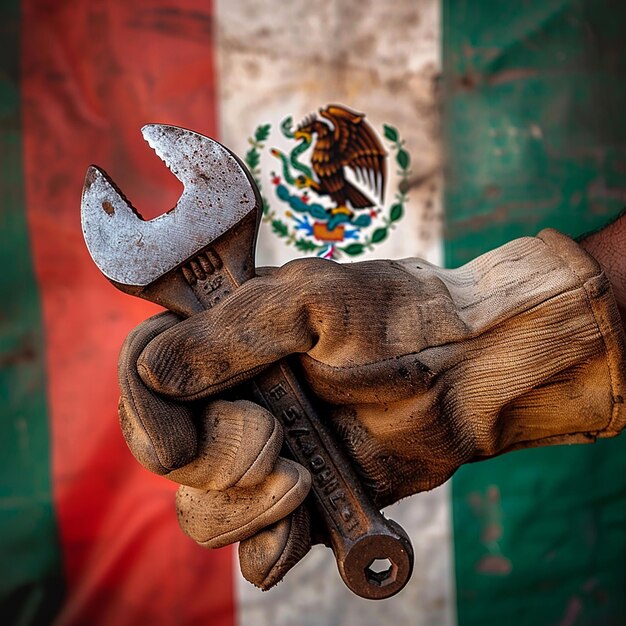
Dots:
{"x": 326, "y": 193}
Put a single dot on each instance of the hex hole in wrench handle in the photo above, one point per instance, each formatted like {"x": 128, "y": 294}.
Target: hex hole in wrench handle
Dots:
{"x": 379, "y": 566}
{"x": 381, "y": 572}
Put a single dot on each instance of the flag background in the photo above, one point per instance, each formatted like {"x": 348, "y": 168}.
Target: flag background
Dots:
{"x": 528, "y": 120}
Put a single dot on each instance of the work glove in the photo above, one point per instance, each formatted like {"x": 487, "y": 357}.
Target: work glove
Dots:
{"x": 422, "y": 369}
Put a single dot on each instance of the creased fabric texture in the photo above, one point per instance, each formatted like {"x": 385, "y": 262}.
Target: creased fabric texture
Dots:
{"x": 423, "y": 369}
{"x": 534, "y": 356}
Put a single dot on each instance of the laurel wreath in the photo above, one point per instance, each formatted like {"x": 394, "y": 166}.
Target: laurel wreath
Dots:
{"x": 380, "y": 234}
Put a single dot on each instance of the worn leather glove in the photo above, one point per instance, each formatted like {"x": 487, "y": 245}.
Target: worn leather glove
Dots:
{"x": 424, "y": 369}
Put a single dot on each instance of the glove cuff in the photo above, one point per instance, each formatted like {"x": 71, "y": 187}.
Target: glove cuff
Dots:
{"x": 603, "y": 379}
{"x": 584, "y": 399}
{"x": 538, "y": 354}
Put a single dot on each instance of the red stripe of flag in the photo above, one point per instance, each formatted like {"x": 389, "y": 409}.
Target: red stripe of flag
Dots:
{"x": 93, "y": 73}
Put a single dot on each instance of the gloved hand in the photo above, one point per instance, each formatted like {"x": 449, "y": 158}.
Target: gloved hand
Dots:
{"x": 424, "y": 369}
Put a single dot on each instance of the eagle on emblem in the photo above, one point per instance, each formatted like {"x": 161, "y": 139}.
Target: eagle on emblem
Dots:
{"x": 347, "y": 142}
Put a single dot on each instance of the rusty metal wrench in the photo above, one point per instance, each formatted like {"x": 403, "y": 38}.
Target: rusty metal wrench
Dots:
{"x": 189, "y": 259}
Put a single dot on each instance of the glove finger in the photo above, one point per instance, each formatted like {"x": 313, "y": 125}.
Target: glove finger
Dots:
{"x": 218, "y": 518}
{"x": 160, "y": 433}
{"x": 263, "y": 321}
{"x": 265, "y": 558}
{"x": 338, "y": 314}
{"x": 238, "y": 444}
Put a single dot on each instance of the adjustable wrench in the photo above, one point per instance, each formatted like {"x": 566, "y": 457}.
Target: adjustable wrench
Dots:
{"x": 189, "y": 259}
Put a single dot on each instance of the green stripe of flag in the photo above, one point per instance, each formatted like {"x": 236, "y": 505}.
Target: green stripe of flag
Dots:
{"x": 30, "y": 580}
{"x": 536, "y": 132}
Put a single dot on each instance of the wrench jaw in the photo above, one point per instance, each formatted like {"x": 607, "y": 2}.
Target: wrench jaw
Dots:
{"x": 103, "y": 201}
{"x": 219, "y": 194}
{"x": 217, "y": 216}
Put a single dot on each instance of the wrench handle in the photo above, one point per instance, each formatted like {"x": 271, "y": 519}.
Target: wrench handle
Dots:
{"x": 359, "y": 533}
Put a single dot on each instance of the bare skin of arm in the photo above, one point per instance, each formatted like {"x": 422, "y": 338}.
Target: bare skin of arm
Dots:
{"x": 608, "y": 247}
